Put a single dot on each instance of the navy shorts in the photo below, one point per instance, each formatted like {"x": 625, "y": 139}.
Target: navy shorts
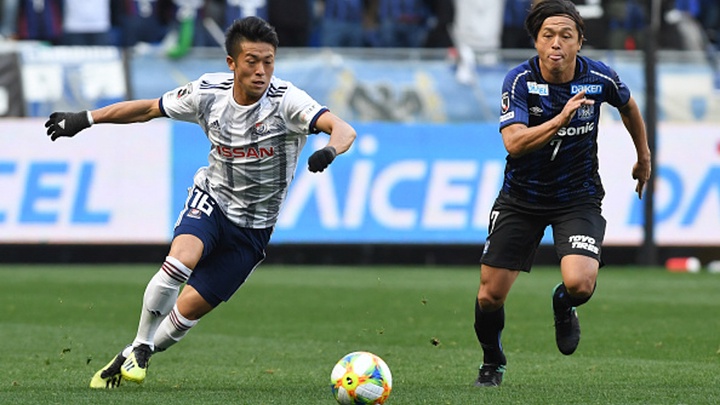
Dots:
{"x": 230, "y": 253}
{"x": 515, "y": 232}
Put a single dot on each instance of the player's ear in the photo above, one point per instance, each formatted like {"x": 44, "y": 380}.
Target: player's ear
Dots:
{"x": 230, "y": 62}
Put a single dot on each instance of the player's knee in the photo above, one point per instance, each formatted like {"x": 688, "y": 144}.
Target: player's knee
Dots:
{"x": 187, "y": 249}
{"x": 582, "y": 288}
{"x": 490, "y": 302}
{"x": 192, "y": 305}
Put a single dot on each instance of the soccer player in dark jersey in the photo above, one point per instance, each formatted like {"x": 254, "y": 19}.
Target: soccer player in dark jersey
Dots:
{"x": 549, "y": 126}
{"x": 257, "y": 125}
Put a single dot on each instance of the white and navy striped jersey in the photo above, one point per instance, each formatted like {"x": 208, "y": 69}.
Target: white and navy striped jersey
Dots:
{"x": 254, "y": 149}
{"x": 565, "y": 170}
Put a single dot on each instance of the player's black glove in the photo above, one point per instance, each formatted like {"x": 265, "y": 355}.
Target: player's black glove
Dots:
{"x": 66, "y": 124}
{"x": 319, "y": 160}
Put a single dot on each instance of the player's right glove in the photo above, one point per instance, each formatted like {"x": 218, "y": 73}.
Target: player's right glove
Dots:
{"x": 66, "y": 124}
{"x": 319, "y": 160}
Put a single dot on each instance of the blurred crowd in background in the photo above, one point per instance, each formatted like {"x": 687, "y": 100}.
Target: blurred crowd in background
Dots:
{"x": 470, "y": 25}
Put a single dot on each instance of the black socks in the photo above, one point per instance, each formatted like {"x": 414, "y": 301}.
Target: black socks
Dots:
{"x": 562, "y": 300}
{"x": 488, "y": 328}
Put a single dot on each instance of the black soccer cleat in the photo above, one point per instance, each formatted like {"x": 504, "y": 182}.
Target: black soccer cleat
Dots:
{"x": 567, "y": 331}
{"x": 490, "y": 375}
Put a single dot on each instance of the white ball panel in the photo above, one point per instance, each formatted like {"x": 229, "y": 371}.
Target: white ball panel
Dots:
{"x": 369, "y": 391}
{"x": 337, "y": 372}
{"x": 362, "y": 363}
{"x": 343, "y": 397}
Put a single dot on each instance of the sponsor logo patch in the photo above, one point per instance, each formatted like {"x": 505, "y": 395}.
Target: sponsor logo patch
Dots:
{"x": 588, "y": 88}
{"x": 246, "y": 152}
{"x": 539, "y": 89}
{"x": 584, "y": 242}
{"x": 574, "y": 131}
{"x": 507, "y": 116}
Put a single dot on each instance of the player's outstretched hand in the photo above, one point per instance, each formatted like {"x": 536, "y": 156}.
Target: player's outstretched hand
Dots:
{"x": 319, "y": 160}
{"x": 66, "y": 124}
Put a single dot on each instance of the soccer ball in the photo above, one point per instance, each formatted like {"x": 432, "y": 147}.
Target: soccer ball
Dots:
{"x": 361, "y": 378}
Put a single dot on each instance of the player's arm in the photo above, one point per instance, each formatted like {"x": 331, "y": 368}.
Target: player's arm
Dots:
{"x": 635, "y": 125}
{"x": 519, "y": 139}
{"x": 124, "y": 112}
{"x": 342, "y": 136}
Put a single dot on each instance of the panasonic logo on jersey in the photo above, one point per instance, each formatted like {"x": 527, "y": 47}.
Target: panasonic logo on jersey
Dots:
{"x": 572, "y": 131}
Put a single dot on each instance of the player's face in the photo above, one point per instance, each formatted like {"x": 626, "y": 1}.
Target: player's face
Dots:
{"x": 557, "y": 44}
{"x": 252, "y": 68}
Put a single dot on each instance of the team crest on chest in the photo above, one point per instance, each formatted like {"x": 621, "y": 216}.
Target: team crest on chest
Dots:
{"x": 261, "y": 128}
{"x": 586, "y": 112}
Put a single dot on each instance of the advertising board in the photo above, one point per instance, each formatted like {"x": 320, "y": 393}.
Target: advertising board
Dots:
{"x": 399, "y": 183}
{"x": 108, "y": 185}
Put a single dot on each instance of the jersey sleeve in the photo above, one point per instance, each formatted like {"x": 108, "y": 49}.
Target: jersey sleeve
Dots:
{"x": 618, "y": 93}
{"x": 302, "y": 111}
{"x": 514, "y": 106}
{"x": 182, "y": 102}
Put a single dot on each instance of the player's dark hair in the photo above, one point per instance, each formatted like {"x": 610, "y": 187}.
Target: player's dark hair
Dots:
{"x": 253, "y": 29}
{"x": 550, "y": 8}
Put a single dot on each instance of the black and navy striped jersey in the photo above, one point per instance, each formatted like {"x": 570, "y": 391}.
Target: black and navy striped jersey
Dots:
{"x": 565, "y": 170}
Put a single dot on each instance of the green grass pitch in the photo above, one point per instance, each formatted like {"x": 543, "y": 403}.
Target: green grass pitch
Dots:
{"x": 648, "y": 337}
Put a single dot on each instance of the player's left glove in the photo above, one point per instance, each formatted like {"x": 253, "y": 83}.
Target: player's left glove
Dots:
{"x": 66, "y": 124}
{"x": 319, "y": 160}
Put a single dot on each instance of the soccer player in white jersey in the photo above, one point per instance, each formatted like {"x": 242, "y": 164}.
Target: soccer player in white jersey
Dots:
{"x": 257, "y": 125}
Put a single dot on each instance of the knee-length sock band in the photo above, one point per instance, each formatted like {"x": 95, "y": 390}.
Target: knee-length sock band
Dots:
{"x": 160, "y": 296}
{"x": 172, "y": 329}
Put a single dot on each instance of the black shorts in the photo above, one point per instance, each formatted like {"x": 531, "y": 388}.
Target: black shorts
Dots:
{"x": 515, "y": 232}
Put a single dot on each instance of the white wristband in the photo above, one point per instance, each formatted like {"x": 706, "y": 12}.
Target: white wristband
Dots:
{"x": 90, "y": 119}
